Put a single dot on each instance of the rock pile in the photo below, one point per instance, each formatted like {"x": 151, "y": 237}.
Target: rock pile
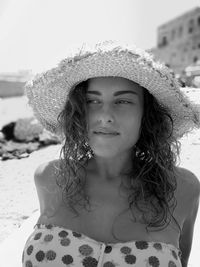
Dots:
{"x": 20, "y": 138}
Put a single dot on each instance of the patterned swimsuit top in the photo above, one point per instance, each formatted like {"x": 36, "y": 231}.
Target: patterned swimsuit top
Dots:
{"x": 55, "y": 246}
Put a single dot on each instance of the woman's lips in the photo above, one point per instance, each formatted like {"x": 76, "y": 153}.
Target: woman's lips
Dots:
{"x": 106, "y": 134}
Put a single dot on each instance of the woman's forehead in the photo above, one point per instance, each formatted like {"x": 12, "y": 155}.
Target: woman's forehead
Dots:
{"x": 114, "y": 84}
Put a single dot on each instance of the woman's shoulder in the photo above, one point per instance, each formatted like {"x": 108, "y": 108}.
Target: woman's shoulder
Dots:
{"x": 46, "y": 172}
{"x": 187, "y": 178}
{"x": 49, "y": 193}
{"x": 188, "y": 184}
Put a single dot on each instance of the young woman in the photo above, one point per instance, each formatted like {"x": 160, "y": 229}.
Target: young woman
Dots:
{"x": 115, "y": 197}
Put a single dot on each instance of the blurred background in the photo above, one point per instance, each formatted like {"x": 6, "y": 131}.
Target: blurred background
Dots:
{"x": 36, "y": 34}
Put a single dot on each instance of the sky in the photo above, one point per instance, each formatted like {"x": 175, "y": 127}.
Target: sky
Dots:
{"x": 35, "y": 34}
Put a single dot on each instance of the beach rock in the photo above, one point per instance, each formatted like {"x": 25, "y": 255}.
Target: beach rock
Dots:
{"x": 27, "y": 129}
{"x": 30, "y": 129}
{"x": 12, "y": 149}
{"x": 19, "y": 139}
{"x": 2, "y": 138}
{"x": 8, "y": 130}
{"x": 47, "y": 138}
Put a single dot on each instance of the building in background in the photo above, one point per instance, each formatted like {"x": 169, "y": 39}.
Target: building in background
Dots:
{"x": 178, "y": 41}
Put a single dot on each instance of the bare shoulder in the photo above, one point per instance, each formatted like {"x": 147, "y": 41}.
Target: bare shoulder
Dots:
{"x": 188, "y": 191}
{"x": 188, "y": 196}
{"x": 45, "y": 172}
{"x": 188, "y": 181}
{"x": 49, "y": 193}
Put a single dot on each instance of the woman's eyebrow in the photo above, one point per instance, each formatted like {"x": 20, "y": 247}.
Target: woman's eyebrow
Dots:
{"x": 124, "y": 92}
{"x": 115, "y": 94}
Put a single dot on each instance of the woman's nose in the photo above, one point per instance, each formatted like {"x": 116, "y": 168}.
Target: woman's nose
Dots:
{"x": 105, "y": 115}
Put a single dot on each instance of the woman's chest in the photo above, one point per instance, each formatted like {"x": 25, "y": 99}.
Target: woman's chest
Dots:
{"x": 112, "y": 222}
{"x": 109, "y": 218}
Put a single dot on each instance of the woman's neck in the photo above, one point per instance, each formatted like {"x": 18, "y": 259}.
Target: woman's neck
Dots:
{"x": 109, "y": 170}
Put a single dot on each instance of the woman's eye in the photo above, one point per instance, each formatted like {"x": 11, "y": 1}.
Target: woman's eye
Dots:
{"x": 124, "y": 102}
{"x": 92, "y": 101}
{"x": 95, "y": 101}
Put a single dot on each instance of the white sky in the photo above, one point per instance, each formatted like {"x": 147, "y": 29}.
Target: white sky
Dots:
{"x": 35, "y": 34}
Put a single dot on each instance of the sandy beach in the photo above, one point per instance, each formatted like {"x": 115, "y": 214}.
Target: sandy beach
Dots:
{"x": 18, "y": 198}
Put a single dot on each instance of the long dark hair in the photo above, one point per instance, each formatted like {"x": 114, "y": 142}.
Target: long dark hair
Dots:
{"x": 153, "y": 179}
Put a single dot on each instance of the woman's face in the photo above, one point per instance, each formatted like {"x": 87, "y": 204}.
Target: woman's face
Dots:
{"x": 114, "y": 109}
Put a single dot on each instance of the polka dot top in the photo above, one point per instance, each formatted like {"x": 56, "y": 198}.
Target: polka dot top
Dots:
{"x": 55, "y": 246}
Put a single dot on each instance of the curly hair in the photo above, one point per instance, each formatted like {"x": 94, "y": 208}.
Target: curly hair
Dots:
{"x": 152, "y": 180}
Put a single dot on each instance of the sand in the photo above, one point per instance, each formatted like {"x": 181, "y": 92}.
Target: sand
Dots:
{"x": 18, "y": 198}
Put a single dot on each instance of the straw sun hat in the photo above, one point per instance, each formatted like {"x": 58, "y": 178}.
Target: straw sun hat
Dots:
{"x": 48, "y": 92}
